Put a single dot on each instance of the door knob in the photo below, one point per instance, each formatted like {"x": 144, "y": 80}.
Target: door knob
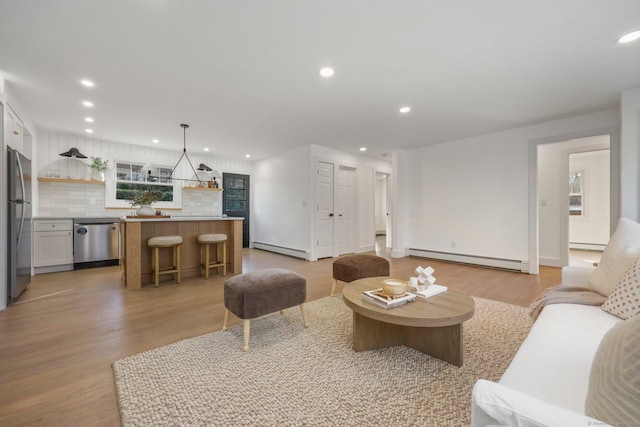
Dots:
{"x": 331, "y": 214}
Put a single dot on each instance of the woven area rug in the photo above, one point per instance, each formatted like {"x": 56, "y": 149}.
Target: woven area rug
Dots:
{"x": 311, "y": 377}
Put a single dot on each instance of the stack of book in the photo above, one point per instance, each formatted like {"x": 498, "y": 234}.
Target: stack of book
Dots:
{"x": 378, "y": 298}
{"x": 430, "y": 291}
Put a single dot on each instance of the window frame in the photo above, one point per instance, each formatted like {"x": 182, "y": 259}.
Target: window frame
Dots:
{"x": 582, "y": 173}
{"x": 112, "y": 185}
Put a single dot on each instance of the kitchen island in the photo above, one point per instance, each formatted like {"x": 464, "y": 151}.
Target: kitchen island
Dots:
{"x": 136, "y": 255}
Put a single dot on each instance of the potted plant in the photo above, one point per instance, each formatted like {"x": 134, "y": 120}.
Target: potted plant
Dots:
{"x": 144, "y": 197}
{"x": 98, "y": 167}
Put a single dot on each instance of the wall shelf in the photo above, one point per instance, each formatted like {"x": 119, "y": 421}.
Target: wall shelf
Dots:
{"x": 201, "y": 189}
{"x": 72, "y": 181}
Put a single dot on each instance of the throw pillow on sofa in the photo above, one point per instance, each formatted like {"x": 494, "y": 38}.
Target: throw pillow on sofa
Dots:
{"x": 614, "y": 382}
{"x": 624, "y": 302}
{"x": 623, "y": 248}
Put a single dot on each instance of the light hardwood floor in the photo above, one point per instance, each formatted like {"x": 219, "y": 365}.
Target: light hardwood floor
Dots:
{"x": 58, "y": 343}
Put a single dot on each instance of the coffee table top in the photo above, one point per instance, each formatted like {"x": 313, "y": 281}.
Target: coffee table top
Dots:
{"x": 448, "y": 308}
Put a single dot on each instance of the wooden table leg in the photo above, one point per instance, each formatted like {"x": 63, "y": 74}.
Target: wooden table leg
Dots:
{"x": 444, "y": 343}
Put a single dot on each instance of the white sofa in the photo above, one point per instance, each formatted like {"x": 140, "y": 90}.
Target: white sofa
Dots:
{"x": 546, "y": 384}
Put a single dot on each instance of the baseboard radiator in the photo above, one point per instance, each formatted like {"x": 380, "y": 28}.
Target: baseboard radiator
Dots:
{"x": 505, "y": 264}
{"x": 587, "y": 246}
{"x": 297, "y": 253}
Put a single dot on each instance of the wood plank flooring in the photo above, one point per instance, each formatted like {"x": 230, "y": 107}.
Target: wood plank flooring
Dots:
{"x": 58, "y": 343}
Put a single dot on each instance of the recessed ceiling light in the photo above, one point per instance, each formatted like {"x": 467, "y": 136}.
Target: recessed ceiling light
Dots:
{"x": 326, "y": 72}
{"x": 247, "y": 155}
{"x": 155, "y": 141}
{"x": 404, "y": 110}
{"x": 206, "y": 149}
{"x": 88, "y": 130}
{"x": 629, "y": 37}
{"x": 88, "y": 119}
{"x": 87, "y": 83}
{"x": 87, "y": 103}
{"x": 363, "y": 148}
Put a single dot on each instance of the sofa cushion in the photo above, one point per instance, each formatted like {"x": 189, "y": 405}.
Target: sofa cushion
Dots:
{"x": 614, "y": 384}
{"x": 624, "y": 302}
{"x": 623, "y": 248}
{"x": 554, "y": 361}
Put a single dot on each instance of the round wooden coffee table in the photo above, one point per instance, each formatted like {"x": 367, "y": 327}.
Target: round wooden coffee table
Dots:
{"x": 432, "y": 325}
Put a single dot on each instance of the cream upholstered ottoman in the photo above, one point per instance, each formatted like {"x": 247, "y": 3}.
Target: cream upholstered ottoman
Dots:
{"x": 262, "y": 292}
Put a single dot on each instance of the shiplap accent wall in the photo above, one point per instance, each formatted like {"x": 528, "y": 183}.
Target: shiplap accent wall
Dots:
{"x": 84, "y": 199}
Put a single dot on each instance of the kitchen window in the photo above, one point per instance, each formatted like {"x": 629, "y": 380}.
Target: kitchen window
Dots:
{"x": 130, "y": 176}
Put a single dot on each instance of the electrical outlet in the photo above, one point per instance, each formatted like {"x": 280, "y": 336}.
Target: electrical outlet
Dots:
{"x": 453, "y": 244}
{"x": 92, "y": 202}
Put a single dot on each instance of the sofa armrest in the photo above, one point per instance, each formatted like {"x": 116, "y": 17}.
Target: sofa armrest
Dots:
{"x": 576, "y": 276}
{"x": 495, "y": 405}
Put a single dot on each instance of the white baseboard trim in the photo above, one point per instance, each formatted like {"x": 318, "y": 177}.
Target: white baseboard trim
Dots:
{"x": 587, "y": 246}
{"x": 550, "y": 262}
{"x": 507, "y": 264}
{"x": 367, "y": 248}
{"x": 297, "y": 253}
{"x": 53, "y": 269}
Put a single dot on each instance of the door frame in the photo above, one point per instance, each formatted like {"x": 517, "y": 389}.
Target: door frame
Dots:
{"x": 388, "y": 207}
{"x": 356, "y": 211}
{"x": 614, "y": 193}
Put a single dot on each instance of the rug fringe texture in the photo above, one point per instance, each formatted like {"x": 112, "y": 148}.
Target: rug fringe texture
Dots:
{"x": 311, "y": 377}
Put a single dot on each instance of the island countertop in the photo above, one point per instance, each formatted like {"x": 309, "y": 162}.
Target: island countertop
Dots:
{"x": 179, "y": 218}
{"x": 136, "y": 255}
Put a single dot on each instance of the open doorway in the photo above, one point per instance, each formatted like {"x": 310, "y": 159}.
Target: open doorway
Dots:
{"x": 574, "y": 189}
{"x": 382, "y": 218}
{"x": 589, "y": 210}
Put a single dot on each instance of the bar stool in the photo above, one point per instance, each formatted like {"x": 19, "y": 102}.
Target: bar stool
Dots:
{"x": 155, "y": 243}
{"x": 209, "y": 239}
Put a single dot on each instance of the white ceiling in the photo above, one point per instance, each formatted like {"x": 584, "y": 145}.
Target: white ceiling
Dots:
{"x": 243, "y": 74}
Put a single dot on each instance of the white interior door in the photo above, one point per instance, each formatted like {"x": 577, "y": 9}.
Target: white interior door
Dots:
{"x": 324, "y": 209}
{"x": 344, "y": 210}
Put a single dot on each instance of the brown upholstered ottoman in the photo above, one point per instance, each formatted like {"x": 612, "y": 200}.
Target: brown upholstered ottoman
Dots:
{"x": 262, "y": 292}
{"x": 354, "y": 267}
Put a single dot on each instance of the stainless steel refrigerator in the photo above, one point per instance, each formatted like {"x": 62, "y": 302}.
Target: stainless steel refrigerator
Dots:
{"x": 19, "y": 224}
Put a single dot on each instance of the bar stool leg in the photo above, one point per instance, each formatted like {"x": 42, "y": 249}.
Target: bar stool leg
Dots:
{"x": 224, "y": 258}
{"x": 177, "y": 264}
{"x": 156, "y": 269}
{"x": 206, "y": 260}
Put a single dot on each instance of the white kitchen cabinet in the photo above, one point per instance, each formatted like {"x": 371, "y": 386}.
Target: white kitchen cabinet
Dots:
{"x": 52, "y": 245}
{"x": 13, "y": 130}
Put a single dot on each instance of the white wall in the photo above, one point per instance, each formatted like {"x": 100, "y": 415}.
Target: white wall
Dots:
{"x": 283, "y": 183}
{"x": 630, "y": 154}
{"x": 475, "y": 191}
{"x": 593, "y": 226}
{"x": 282, "y": 196}
{"x": 81, "y": 199}
{"x": 553, "y": 204}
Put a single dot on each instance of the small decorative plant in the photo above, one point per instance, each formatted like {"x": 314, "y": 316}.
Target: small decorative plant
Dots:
{"x": 144, "y": 196}
{"x": 98, "y": 164}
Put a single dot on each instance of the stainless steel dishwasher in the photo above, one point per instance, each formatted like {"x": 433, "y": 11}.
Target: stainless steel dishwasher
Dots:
{"x": 95, "y": 242}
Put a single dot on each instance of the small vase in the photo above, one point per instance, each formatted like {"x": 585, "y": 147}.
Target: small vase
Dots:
{"x": 98, "y": 175}
{"x": 145, "y": 210}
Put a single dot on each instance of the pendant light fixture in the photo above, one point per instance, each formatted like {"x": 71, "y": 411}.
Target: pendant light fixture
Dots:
{"x": 184, "y": 153}
{"x": 74, "y": 153}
